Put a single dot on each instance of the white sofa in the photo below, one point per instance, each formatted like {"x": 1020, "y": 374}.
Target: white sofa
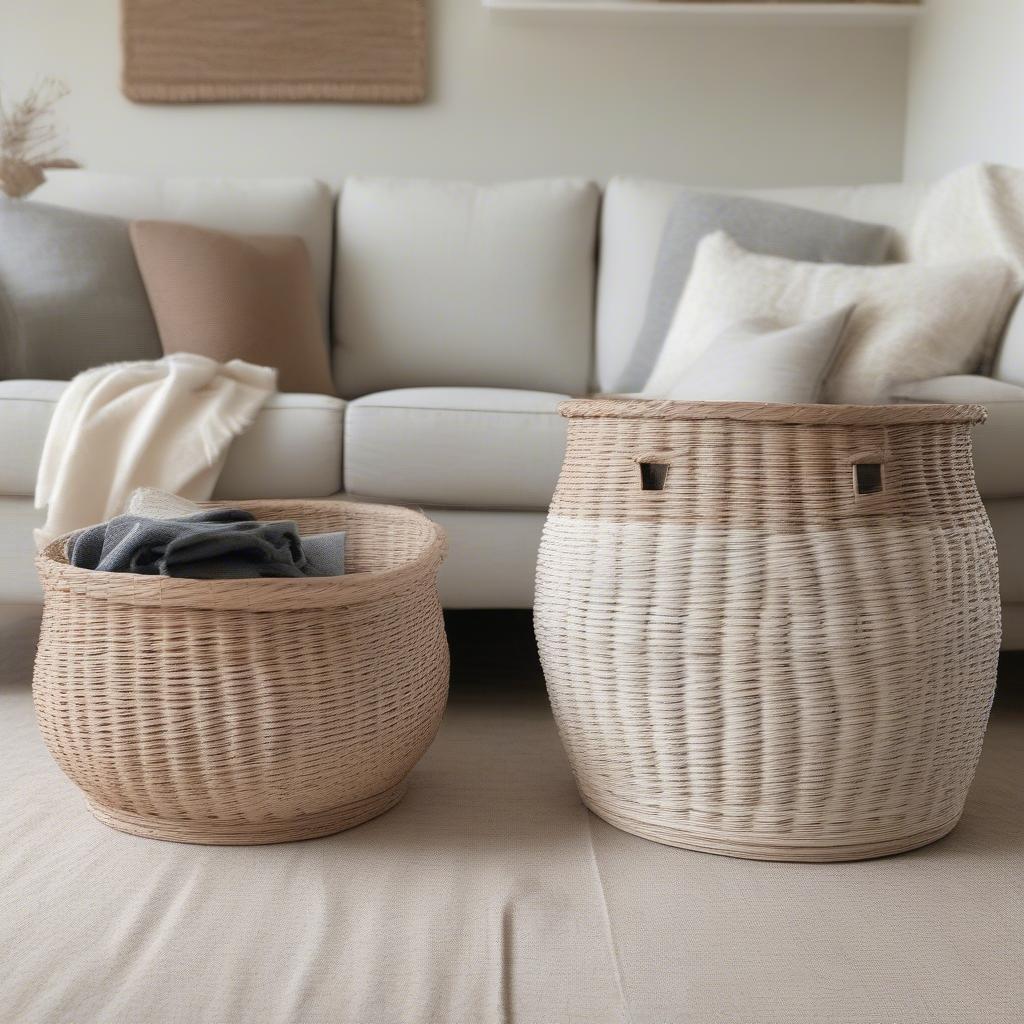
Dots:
{"x": 460, "y": 316}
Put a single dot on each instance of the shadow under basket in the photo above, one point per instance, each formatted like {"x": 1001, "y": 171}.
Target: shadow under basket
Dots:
{"x": 770, "y": 631}
{"x": 248, "y": 711}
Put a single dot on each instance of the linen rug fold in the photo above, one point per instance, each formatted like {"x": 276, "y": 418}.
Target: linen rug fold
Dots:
{"x": 166, "y": 423}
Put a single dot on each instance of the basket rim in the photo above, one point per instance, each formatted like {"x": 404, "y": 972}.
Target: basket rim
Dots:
{"x": 265, "y": 594}
{"x": 613, "y": 407}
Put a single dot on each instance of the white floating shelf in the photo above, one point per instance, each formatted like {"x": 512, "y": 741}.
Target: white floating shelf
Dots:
{"x": 650, "y": 12}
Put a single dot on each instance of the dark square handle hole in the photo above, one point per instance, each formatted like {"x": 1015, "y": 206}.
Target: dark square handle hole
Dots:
{"x": 652, "y": 475}
{"x": 868, "y": 476}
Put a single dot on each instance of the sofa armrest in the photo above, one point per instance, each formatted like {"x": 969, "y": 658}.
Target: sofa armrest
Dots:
{"x": 999, "y": 441}
{"x": 1009, "y": 358}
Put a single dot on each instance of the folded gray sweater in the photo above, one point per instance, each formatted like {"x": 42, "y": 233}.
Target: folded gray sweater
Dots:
{"x": 210, "y": 544}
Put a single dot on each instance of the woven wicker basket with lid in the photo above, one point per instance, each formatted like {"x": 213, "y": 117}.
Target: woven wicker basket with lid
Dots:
{"x": 770, "y": 631}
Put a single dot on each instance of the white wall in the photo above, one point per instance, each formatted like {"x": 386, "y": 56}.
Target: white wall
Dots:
{"x": 511, "y": 98}
{"x": 966, "y": 99}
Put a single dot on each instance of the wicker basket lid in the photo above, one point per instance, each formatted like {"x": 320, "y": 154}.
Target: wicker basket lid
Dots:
{"x": 768, "y": 412}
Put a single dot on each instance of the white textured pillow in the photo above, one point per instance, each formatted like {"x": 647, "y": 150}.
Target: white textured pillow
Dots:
{"x": 910, "y": 322}
{"x": 759, "y": 360}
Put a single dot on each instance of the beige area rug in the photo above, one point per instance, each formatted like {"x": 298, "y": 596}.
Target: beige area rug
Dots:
{"x": 220, "y": 50}
{"x": 935, "y": 936}
{"x": 488, "y": 895}
{"x": 475, "y": 900}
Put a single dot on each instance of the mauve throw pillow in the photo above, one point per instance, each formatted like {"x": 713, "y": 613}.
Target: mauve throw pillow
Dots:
{"x": 759, "y": 225}
{"x": 71, "y": 297}
{"x": 230, "y": 296}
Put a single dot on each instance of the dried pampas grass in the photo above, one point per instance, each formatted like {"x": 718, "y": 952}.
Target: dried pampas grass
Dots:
{"x": 29, "y": 139}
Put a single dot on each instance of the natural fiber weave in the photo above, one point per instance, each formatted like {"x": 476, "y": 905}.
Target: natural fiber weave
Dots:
{"x": 756, "y": 659}
{"x": 188, "y": 51}
{"x": 248, "y": 711}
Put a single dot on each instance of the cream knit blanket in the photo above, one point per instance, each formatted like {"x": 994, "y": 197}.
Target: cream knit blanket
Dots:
{"x": 165, "y": 424}
{"x": 974, "y": 213}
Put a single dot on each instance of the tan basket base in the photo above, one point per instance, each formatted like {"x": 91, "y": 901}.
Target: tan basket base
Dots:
{"x": 314, "y": 826}
{"x": 794, "y": 852}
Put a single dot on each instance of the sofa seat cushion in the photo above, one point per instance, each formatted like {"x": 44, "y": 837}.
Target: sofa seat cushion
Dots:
{"x": 292, "y": 450}
{"x": 456, "y": 447}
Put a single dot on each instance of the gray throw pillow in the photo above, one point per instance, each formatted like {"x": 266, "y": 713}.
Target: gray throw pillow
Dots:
{"x": 758, "y": 225}
{"x": 759, "y": 360}
{"x": 71, "y": 296}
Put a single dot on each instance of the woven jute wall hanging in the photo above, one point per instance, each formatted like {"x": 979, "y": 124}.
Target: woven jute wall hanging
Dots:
{"x": 193, "y": 51}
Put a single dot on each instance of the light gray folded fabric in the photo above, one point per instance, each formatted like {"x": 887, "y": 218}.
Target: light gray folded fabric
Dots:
{"x": 213, "y": 544}
{"x": 324, "y": 552}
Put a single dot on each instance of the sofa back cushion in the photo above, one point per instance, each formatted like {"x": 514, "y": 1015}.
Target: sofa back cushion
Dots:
{"x": 257, "y": 206}
{"x": 634, "y": 215}
{"x": 450, "y": 283}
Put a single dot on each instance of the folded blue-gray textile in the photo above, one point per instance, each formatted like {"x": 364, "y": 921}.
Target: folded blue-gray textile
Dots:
{"x": 209, "y": 545}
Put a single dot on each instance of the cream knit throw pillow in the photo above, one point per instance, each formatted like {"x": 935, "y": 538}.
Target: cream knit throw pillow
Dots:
{"x": 909, "y": 322}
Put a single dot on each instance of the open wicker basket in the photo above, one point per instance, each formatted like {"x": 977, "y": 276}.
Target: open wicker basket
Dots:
{"x": 770, "y": 631}
{"x": 248, "y": 711}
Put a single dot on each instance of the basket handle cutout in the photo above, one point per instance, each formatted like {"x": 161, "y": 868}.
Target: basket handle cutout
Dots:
{"x": 652, "y": 475}
{"x": 868, "y": 478}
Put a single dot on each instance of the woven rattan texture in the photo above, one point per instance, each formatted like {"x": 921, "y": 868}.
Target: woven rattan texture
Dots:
{"x": 756, "y": 660}
{"x": 189, "y": 51}
{"x": 263, "y": 711}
